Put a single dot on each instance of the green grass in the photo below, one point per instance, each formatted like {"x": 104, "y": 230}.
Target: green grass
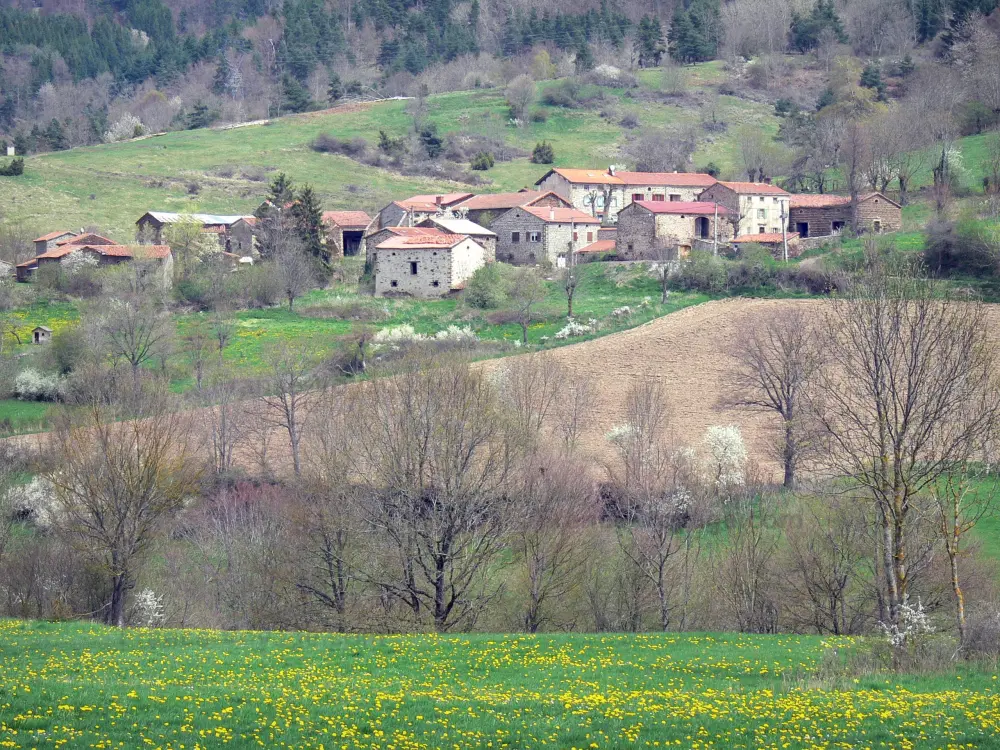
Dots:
{"x": 82, "y": 685}
{"x": 22, "y": 416}
{"x": 110, "y": 186}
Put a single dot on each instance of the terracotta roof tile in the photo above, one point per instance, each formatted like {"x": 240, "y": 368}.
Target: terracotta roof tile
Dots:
{"x": 667, "y": 179}
{"x": 601, "y": 246}
{"x": 819, "y": 201}
{"x": 348, "y": 219}
{"x": 88, "y": 239}
{"x": 53, "y": 235}
{"x": 488, "y": 201}
{"x": 595, "y": 176}
{"x": 421, "y": 242}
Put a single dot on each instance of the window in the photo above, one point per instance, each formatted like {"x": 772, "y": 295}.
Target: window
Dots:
{"x": 877, "y": 226}
{"x": 393, "y": 283}
{"x": 761, "y": 213}
{"x": 762, "y": 199}
{"x": 631, "y": 247}
{"x": 576, "y": 236}
{"x": 515, "y": 237}
{"x": 761, "y": 230}
{"x": 658, "y": 197}
{"x": 674, "y": 198}
{"x": 775, "y": 199}
{"x": 534, "y": 236}
{"x": 637, "y": 196}
{"x": 413, "y": 268}
{"x": 435, "y": 283}
{"x": 590, "y": 236}
{"x": 775, "y": 230}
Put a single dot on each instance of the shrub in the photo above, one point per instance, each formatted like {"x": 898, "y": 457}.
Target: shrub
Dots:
{"x": 32, "y": 385}
{"x": 539, "y": 115}
{"x": 703, "y": 272}
{"x": 629, "y": 120}
{"x": 567, "y": 94}
{"x": 572, "y": 329}
{"x": 488, "y": 287}
{"x": 14, "y": 169}
{"x": 962, "y": 248}
{"x": 325, "y": 143}
{"x": 127, "y": 127}
{"x": 543, "y": 153}
{"x": 482, "y": 161}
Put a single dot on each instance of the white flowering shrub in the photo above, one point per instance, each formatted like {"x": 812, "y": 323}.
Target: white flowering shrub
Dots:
{"x": 621, "y": 434}
{"x": 622, "y": 312}
{"x": 397, "y": 336}
{"x": 78, "y": 261}
{"x": 128, "y": 126}
{"x": 727, "y": 455}
{"x": 572, "y": 328}
{"x": 913, "y": 624}
{"x": 35, "y": 501}
{"x": 149, "y": 609}
{"x": 32, "y": 385}
{"x": 456, "y": 335}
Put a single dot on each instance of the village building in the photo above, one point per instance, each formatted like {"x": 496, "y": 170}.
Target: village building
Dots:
{"x": 415, "y": 209}
{"x": 345, "y": 232}
{"x": 41, "y": 335}
{"x": 49, "y": 241}
{"x": 754, "y": 207}
{"x": 242, "y": 237}
{"x": 104, "y": 253}
{"x": 826, "y": 215}
{"x": 484, "y": 209}
{"x": 426, "y": 265}
{"x": 603, "y": 194}
{"x": 647, "y": 227}
{"x": 530, "y": 235}
{"x": 483, "y": 236}
{"x": 773, "y": 242}
{"x": 231, "y": 231}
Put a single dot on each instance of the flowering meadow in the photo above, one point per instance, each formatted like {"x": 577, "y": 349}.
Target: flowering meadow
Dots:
{"x": 83, "y": 685}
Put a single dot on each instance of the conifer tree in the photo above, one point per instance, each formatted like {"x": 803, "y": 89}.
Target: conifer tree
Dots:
{"x": 308, "y": 215}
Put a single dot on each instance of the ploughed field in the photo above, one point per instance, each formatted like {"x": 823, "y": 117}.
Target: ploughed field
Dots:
{"x": 83, "y": 685}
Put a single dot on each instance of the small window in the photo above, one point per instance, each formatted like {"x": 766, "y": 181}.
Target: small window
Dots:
{"x": 631, "y": 247}
{"x": 658, "y": 197}
{"x": 762, "y": 199}
{"x": 413, "y": 268}
{"x": 534, "y": 236}
{"x": 761, "y": 230}
{"x": 775, "y": 199}
{"x": 515, "y": 237}
{"x": 590, "y": 236}
{"x": 675, "y": 198}
{"x": 637, "y": 196}
{"x": 435, "y": 283}
{"x": 576, "y": 236}
{"x": 775, "y": 230}
{"x": 393, "y": 283}
{"x": 761, "y": 213}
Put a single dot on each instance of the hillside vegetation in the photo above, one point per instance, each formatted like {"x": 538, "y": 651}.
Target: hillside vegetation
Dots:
{"x": 88, "y": 685}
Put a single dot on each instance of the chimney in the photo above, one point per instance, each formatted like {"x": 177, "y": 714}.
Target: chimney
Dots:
{"x": 767, "y": 180}
{"x": 611, "y": 170}
{"x": 437, "y": 201}
{"x": 552, "y": 214}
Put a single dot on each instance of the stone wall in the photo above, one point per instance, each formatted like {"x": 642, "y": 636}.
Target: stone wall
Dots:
{"x": 394, "y": 272}
{"x": 484, "y": 217}
{"x": 522, "y": 252}
{"x": 878, "y": 209}
{"x": 466, "y": 259}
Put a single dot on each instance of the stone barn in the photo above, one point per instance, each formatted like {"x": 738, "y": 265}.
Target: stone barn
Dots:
{"x": 645, "y": 226}
{"x": 41, "y": 335}
{"x": 484, "y": 209}
{"x": 530, "y": 235}
{"x": 826, "y": 215}
{"x": 426, "y": 265}
{"x": 345, "y": 232}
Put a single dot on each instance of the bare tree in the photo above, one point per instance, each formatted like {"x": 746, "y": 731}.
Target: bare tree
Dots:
{"x": 436, "y": 458}
{"x": 776, "y": 363}
{"x": 559, "y": 503}
{"x": 133, "y": 331}
{"x": 290, "y": 381}
{"x": 527, "y": 291}
{"x": 190, "y": 244}
{"x": 294, "y": 272}
{"x": 520, "y": 95}
{"x": 528, "y": 387}
{"x": 117, "y": 481}
{"x": 665, "y": 255}
{"x": 993, "y": 163}
{"x": 226, "y": 411}
{"x": 573, "y": 408}
{"x": 661, "y": 150}
{"x": 854, "y": 150}
{"x": 570, "y": 279}
{"x": 912, "y": 398}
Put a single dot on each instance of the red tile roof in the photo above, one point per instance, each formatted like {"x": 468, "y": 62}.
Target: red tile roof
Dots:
{"x": 559, "y": 215}
{"x": 115, "y": 251}
{"x": 754, "y": 188}
{"x": 53, "y": 235}
{"x": 596, "y": 176}
{"x": 819, "y": 201}
{"x": 489, "y": 201}
{"x": 601, "y": 246}
{"x": 430, "y": 202}
{"x": 667, "y": 179}
{"x": 86, "y": 239}
{"x": 348, "y": 219}
{"x": 57, "y": 252}
{"x": 768, "y": 238}
{"x": 422, "y": 242}
{"x": 411, "y": 231}
{"x": 700, "y": 208}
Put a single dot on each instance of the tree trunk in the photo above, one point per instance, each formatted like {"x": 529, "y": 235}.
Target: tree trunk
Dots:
{"x": 116, "y": 610}
{"x": 569, "y": 304}
{"x": 789, "y": 455}
{"x": 959, "y": 597}
{"x": 524, "y": 332}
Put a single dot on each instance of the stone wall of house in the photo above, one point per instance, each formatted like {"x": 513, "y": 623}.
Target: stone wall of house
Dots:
{"x": 394, "y": 273}
{"x": 489, "y": 245}
{"x": 484, "y": 217}
{"x": 688, "y": 194}
{"x": 392, "y": 216}
{"x": 522, "y": 252}
{"x": 241, "y": 239}
{"x": 636, "y": 236}
{"x": 819, "y": 220}
{"x": 466, "y": 258}
{"x": 878, "y": 209}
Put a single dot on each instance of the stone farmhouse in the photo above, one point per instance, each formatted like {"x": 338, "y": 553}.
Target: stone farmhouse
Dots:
{"x": 604, "y": 194}
{"x": 105, "y": 251}
{"x": 754, "y": 207}
{"x": 52, "y": 240}
{"x": 230, "y": 230}
{"x": 412, "y": 211}
{"x": 644, "y": 227}
{"x": 483, "y": 236}
{"x": 427, "y": 264}
{"x": 345, "y": 232}
{"x": 529, "y": 235}
{"x": 484, "y": 209}
{"x": 825, "y": 215}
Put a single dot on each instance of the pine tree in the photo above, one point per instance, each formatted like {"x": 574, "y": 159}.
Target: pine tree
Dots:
{"x": 308, "y": 215}
{"x": 584, "y": 58}
{"x": 651, "y": 46}
{"x": 200, "y": 116}
{"x": 871, "y": 78}
{"x": 336, "y": 89}
{"x": 682, "y": 38}
{"x": 297, "y": 98}
{"x": 281, "y": 191}
{"x": 55, "y": 135}
{"x": 223, "y": 73}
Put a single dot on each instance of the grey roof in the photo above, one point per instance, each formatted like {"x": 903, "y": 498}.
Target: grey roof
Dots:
{"x": 166, "y": 217}
{"x": 42, "y": 328}
{"x": 462, "y": 226}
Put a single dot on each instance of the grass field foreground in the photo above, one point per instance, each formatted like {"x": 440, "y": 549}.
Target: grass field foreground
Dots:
{"x": 82, "y": 685}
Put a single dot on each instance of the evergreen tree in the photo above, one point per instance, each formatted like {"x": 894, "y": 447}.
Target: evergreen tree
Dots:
{"x": 584, "y": 58}
{"x": 336, "y": 89}
{"x": 297, "y": 98}
{"x": 223, "y": 73}
{"x": 281, "y": 191}
{"x": 308, "y": 215}
{"x": 930, "y": 19}
{"x": 55, "y": 136}
{"x": 650, "y": 38}
{"x": 806, "y": 30}
{"x": 827, "y": 98}
{"x": 200, "y": 116}
{"x": 431, "y": 141}
{"x": 871, "y": 78}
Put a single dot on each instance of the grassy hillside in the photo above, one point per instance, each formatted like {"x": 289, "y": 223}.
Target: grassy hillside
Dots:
{"x": 87, "y": 686}
{"x": 110, "y": 186}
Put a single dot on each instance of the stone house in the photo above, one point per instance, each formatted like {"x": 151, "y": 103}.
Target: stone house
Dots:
{"x": 484, "y": 209}
{"x": 345, "y": 232}
{"x": 599, "y": 193}
{"x": 50, "y": 240}
{"x": 105, "y": 255}
{"x": 426, "y": 265}
{"x": 646, "y": 226}
{"x": 414, "y": 210}
{"x": 150, "y": 226}
{"x": 529, "y": 235}
{"x": 483, "y": 236}
{"x": 242, "y": 236}
{"x": 826, "y": 215}
{"x": 754, "y": 207}
{"x": 375, "y": 238}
